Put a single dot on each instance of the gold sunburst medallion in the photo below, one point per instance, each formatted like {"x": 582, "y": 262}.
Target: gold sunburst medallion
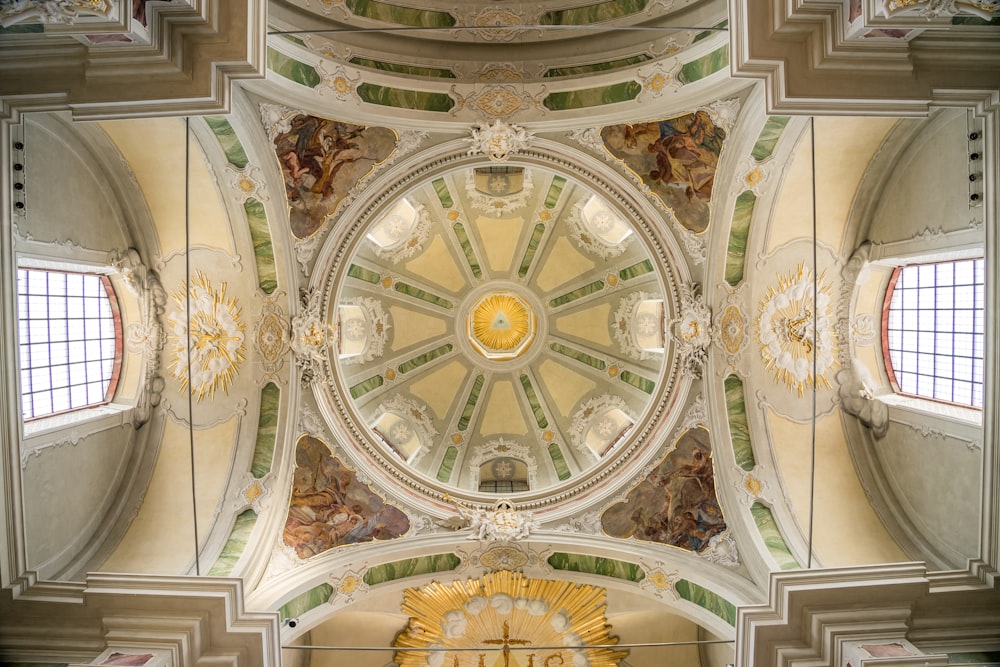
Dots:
{"x": 501, "y": 323}
{"x": 516, "y": 621}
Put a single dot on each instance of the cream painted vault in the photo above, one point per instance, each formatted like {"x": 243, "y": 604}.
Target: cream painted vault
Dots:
{"x": 481, "y": 302}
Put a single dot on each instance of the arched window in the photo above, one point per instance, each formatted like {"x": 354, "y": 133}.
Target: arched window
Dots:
{"x": 70, "y": 341}
{"x": 933, "y": 331}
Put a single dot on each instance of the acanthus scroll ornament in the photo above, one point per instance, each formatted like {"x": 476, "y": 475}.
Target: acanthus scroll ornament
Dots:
{"x": 692, "y": 331}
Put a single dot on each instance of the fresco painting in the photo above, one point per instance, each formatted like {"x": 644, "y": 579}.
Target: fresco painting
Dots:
{"x": 676, "y": 504}
{"x": 676, "y": 158}
{"x": 329, "y": 507}
{"x": 322, "y": 160}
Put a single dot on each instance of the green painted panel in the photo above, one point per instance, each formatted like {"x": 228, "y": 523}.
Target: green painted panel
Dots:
{"x": 294, "y": 40}
{"x": 467, "y": 249}
{"x": 311, "y": 599}
{"x": 423, "y": 295}
{"x": 636, "y": 270}
{"x": 597, "y": 67}
{"x": 739, "y": 233}
{"x": 773, "y": 540}
{"x": 645, "y": 384}
{"x": 260, "y": 234}
{"x": 710, "y": 600}
{"x": 559, "y": 461}
{"x": 577, "y": 355}
{"x": 424, "y": 358}
{"x": 292, "y": 69}
{"x": 447, "y": 464}
{"x": 592, "y": 97}
{"x": 470, "y": 404}
{"x": 555, "y": 189}
{"x": 410, "y": 70}
{"x": 227, "y": 138}
{"x": 704, "y": 34}
{"x": 709, "y": 63}
{"x": 405, "y": 99}
{"x": 536, "y": 407}
{"x": 739, "y": 430}
{"x": 441, "y": 188}
{"x": 768, "y": 137}
{"x": 267, "y": 430}
{"x": 606, "y": 567}
{"x": 974, "y": 20}
{"x": 361, "y": 273}
{"x": 529, "y": 252}
{"x": 22, "y": 28}
{"x": 598, "y": 12}
{"x": 362, "y": 388}
{"x": 389, "y": 13}
{"x": 411, "y": 567}
{"x": 578, "y": 293}
{"x": 235, "y": 545}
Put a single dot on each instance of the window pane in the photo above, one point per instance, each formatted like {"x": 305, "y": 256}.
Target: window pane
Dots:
{"x": 935, "y": 331}
{"x": 65, "y": 317}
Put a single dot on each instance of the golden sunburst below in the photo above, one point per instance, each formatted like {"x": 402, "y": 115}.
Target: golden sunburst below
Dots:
{"x": 515, "y": 620}
{"x": 501, "y": 323}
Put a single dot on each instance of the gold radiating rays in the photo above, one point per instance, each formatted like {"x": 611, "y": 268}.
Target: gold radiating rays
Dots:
{"x": 511, "y": 617}
{"x": 500, "y": 322}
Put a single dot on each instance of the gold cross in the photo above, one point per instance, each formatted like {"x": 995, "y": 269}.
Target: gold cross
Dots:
{"x": 506, "y": 642}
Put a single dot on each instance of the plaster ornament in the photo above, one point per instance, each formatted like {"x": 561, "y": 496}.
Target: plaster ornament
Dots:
{"x": 499, "y": 72}
{"x": 498, "y": 141}
{"x": 50, "y": 11}
{"x": 724, "y": 113}
{"x": 373, "y": 327}
{"x": 310, "y": 336}
{"x": 984, "y": 9}
{"x": 599, "y": 230}
{"x": 856, "y": 399}
{"x": 694, "y": 244}
{"x": 246, "y": 183}
{"x": 254, "y": 493}
{"x": 503, "y": 523}
{"x": 638, "y": 325}
{"x": 407, "y": 236}
{"x": 659, "y": 582}
{"x": 590, "y": 138}
{"x": 503, "y": 557}
{"x": 502, "y": 448}
{"x": 409, "y": 419}
{"x": 721, "y": 550}
{"x": 270, "y": 336}
{"x": 696, "y": 416}
{"x": 588, "y": 523}
{"x": 600, "y": 422}
{"x": 147, "y": 336}
{"x": 497, "y": 24}
{"x": 277, "y": 119}
{"x": 792, "y": 327}
{"x": 662, "y": 78}
{"x": 215, "y": 342}
{"x": 338, "y": 82}
{"x": 692, "y": 331}
{"x": 310, "y": 423}
{"x": 498, "y": 205}
{"x": 497, "y": 101}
